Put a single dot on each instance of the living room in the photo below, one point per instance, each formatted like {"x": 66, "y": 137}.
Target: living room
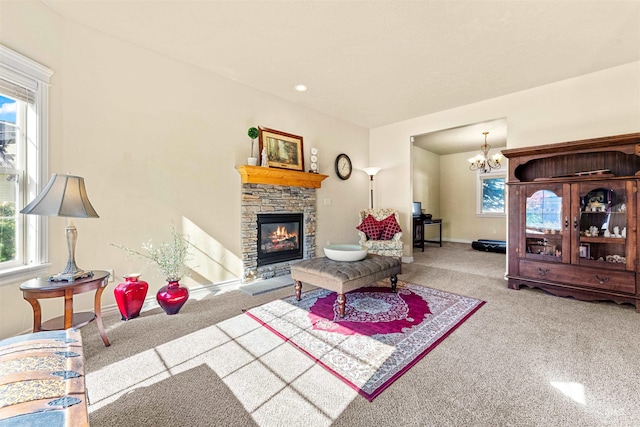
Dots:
{"x": 158, "y": 140}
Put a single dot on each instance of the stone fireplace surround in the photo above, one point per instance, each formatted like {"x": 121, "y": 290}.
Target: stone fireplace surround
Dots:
{"x": 272, "y": 190}
{"x": 266, "y": 198}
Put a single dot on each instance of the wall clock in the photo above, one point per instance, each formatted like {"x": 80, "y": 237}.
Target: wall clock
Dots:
{"x": 343, "y": 166}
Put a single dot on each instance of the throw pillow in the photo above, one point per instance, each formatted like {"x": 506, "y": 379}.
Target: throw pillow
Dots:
{"x": 389, "y": 227}
{"x": 371, "y": 227}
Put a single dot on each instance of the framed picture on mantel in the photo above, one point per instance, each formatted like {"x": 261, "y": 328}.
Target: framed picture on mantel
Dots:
{"x": 283, "y": 150}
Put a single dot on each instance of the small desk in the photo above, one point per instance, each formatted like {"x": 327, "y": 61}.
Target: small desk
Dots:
{"x": 437, "y": 222}
{"x": 418, "y": 232}
{"x": 41, "y": 288}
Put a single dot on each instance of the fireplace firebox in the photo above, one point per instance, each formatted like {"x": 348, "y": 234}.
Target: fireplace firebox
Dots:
{"x": 280, "y": 237}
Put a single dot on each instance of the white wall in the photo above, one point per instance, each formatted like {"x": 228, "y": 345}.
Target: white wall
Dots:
{"x": 426, "y": 180}
{"x": 157, "y": 142}
{"x": 435, "y": 178}
{"x": 593, "y": 105}
{"x": 462, "y": 223}
{"x": 426, "y": 186}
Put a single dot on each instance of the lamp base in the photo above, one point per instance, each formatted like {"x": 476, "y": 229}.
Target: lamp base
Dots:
{"x": 70, "y": 277}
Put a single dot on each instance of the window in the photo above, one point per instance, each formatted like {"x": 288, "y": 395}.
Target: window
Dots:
{"x": 10, "y": 177}
{"x": 24, "y": 88}
{"x": 544, "y": 212}
{"x": 491, "y": 194}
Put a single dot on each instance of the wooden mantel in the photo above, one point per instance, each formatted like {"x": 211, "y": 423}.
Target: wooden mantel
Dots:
{"x": 274, "y": 176}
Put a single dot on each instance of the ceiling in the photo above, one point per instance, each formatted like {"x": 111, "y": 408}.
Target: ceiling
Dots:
{"x": 464, "y": 138}
{"x": 371, "y": 63}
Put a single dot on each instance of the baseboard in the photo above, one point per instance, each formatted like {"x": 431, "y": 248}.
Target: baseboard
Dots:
{"x": 458, "y": 241}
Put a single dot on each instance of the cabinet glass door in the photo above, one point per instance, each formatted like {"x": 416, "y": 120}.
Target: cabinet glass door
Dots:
{"x": 604, "y": 212}
{"x": 545, "y": 223}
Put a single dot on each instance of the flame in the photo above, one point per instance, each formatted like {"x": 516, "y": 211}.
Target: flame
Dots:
{"x": 279, "y": 239}
{"x": 281, "y": 233}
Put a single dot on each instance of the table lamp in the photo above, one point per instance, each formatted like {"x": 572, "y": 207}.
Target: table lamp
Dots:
{"x": 66, "y": 196}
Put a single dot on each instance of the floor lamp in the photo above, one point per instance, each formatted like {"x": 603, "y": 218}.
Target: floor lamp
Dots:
{"x": 371, "y": 171}
{"x": 65, "y": 196}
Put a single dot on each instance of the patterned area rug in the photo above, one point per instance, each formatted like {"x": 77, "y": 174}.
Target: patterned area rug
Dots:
{"x": 381, "y": 336}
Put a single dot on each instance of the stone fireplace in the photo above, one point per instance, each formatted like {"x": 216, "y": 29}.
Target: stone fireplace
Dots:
{"x": 274, "y": 199}
{"x": 276, "y": 195}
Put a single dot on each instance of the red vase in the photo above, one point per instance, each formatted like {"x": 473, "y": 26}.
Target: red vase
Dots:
{"x": 130, "y": 296}
{"x": 172, "y": 297}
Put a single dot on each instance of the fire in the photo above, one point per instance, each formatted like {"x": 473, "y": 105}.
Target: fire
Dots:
{"x": 281, "y": 233}
{"x": 280, "y": 238}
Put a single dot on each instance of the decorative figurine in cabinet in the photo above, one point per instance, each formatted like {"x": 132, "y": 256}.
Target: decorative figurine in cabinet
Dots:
{"x": 603, "y": 225}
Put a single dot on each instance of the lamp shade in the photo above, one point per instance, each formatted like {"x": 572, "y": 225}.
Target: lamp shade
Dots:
{"x": 371, "y": 171}
{"x": 64, "y": 195}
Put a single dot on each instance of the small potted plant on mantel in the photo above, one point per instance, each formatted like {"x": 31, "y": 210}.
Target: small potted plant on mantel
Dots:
{"x": 253, "y": 134}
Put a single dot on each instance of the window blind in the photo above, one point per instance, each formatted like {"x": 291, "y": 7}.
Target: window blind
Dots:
{"x": 16, "y": 91}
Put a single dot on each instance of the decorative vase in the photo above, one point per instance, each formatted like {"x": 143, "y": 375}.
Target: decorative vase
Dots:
{"x": 252, "y": 161}
{"x": 172, "y": 297}
{"x": 130, "y": 295}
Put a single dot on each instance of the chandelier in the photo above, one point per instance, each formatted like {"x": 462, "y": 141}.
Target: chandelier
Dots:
{"x": 482, "y": 162}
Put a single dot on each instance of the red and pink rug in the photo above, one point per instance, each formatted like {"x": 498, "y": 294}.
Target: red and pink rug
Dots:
{"x": 381, "y": 336}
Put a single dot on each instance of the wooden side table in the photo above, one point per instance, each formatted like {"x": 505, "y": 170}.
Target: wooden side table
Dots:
{"x": 41, "y": 288}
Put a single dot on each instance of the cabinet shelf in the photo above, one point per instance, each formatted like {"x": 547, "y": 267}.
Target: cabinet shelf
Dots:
{"x": 613, "y": 240}
{"x": 544, "y": 257}
{"x": 602, "y": 264}
{"x": 601, "y": 213}
{"x": 543, "y": 235}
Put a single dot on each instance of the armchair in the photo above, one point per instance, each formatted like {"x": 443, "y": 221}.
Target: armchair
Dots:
{"x": 380, "y": 246}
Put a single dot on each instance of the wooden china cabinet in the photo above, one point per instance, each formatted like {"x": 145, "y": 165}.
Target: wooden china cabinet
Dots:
{"x": 573, "y": 218}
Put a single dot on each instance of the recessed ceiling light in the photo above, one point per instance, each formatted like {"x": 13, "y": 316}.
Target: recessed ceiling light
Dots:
{"x": 300, "y": 88}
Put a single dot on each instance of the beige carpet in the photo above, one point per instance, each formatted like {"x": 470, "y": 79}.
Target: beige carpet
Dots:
{"x": 525, "y": 359}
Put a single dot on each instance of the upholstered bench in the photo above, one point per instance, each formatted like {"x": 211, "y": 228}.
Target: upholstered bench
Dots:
{"x": 42, "y": 380}
{"x": 342, "y": 277}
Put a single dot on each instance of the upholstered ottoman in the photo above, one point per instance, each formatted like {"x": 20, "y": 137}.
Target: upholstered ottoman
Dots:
{"x": 342, "y": 277}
